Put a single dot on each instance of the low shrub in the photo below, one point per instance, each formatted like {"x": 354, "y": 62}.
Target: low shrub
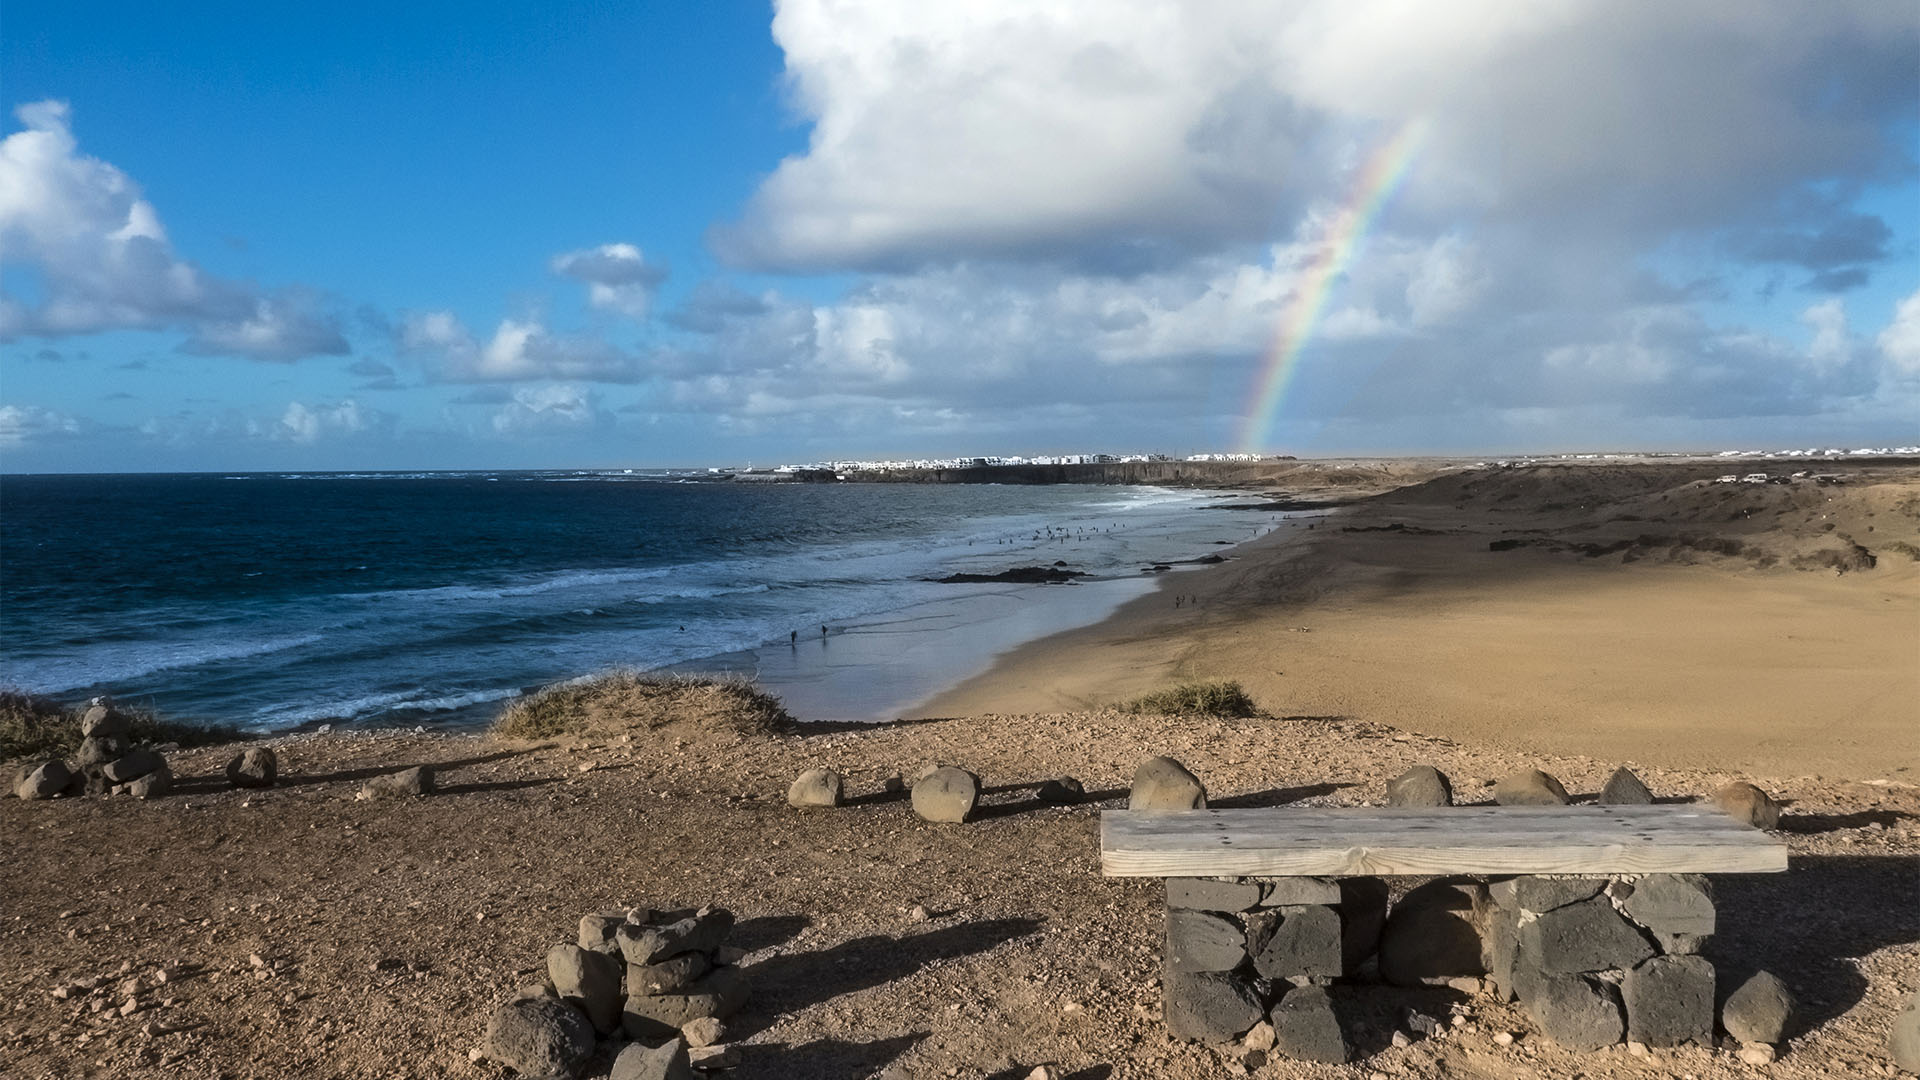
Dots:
{"x": 624, "y": 701}
{"x": 1225, "y": 699}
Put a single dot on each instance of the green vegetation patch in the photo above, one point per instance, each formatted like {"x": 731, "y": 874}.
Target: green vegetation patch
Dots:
{"x": 621, "y": 701}
{"x": 36, "y": 726}
{"x": 1225, "y": 699}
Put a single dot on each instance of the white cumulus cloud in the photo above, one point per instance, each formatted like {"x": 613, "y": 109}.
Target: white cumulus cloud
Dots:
{"x": 617, "y": 276}
{"x": 102, "y": 261}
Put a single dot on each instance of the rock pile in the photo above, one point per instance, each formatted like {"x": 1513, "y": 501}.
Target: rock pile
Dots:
{"x": 650, "y": 988}
{"x": 106, "y": 763}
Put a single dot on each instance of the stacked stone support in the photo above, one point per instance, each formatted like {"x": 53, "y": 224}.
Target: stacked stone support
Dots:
{"x": 1593, "y": 961}
{"x": 1596, "y": 961}
{"x": 106, "y": 763}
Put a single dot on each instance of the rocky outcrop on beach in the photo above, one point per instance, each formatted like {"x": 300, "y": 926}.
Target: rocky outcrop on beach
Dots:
{"x": 1019, "y": 575}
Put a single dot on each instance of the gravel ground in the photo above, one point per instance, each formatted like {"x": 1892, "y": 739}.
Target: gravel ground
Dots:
{"x": 303, "y": 933}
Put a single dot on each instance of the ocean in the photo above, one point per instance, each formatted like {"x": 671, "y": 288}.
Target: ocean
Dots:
{"x": 285, "y": 601}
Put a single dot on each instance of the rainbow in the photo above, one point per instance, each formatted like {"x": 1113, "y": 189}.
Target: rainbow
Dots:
{"x": 1373, "y": 186}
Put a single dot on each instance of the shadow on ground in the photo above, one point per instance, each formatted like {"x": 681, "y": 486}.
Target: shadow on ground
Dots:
{"x": 794, "y": 981}
{"x": 1810, "y": 924}
{"x": 825, "y": 1059}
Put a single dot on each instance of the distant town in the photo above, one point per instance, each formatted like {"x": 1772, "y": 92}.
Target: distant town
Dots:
{"x": 842, "y": 467}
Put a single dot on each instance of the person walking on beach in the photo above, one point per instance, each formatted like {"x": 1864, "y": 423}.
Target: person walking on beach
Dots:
{"x": 823, "y": 633}
{"x": 793, "y": 637}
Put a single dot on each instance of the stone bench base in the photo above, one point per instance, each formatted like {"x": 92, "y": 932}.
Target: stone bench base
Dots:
{"x": 1593, "y": 961}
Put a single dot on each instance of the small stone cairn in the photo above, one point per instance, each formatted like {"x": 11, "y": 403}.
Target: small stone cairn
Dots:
{"x": 1594, "y": 961}
{"x": 106, "y": 763}
{"x": 651, "y": 989}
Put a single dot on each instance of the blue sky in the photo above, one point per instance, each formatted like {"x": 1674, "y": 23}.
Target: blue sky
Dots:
{"x": 261, "y": 236}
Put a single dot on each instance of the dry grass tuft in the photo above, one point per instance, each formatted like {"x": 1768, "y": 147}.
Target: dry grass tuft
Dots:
{"x": 36, "y": 726}
{"x": 1224, "y": 699}
{"x": 623, "y": 701}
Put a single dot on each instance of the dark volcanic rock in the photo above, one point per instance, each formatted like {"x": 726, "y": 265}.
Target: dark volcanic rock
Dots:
{"x": 1543, "y": 894}
{"x": 102, "y": 721}
{"x": 1019, "y": 575}
{"x": 1207, "y": 894}
{"x": 1065, "y": 791}
{"x": 665, "y": 1062}
{"x": 1670, "y": 1001}
{"x": 1673, "y": 905}
{"x": 1286, "y": 942}
{"x": 133, "y": 765}
{"x": 1209, "y": 1007}
{"x": 1422, "y": 785}
{"x": 1305, "y": 1027}
{"x": 1625, "y": 789}
{"x": 539, "y": 1036}
{"x": 1588, "y": 936}
{"x": 658, "y": 1016}
{"x": 399, "y": 785}
{"x": 701, "y": 933}
{"x": 1576, "y": 1011}
{"x": 1203, "y": 941}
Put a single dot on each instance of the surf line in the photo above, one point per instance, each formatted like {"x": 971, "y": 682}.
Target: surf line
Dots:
{"x": 1373, "y": 187}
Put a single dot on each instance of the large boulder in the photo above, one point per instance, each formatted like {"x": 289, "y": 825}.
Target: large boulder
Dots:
{"x": 1577, "y": 1011}
{"x": 1162, "y": 783}
{"x": 100, "y": 749}
{"x": 1210, "y": 1007}
{"x": 405, "y": 784}
{"x": 665, "y": 1062}
{"x": 1760, "y": 1010}
{"x": 539, "y": 1037}
{"x": 661, "y": 1016}
{"x": 101, "y": 721}
{"x": 1670, "y": 1001}
{"x": 816, "y": 788}
{"x": 946, "y": 795}
{"x": 1529, "y": 787}
{"x": 1623, "y": 788}
{"x": 133, "y": 765}
{"x": 1433, "y": 934}
{"x": 589, "y": 981}
{"x": 44, "y": 781}
{"x": 1305, "y": 1027}
{"x": 256, "y": 767}
{"x": 1422, "y": 785}
{"x": 1746, "y": 803}
{"x": 1587, "y": 936}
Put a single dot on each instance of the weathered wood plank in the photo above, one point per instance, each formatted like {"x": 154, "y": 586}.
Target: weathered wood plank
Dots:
{"x": 1338, "y": 841}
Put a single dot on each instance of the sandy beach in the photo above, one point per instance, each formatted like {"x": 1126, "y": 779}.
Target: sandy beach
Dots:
{"x": 1667, "y": 650}
{"x": 304, "y": 933}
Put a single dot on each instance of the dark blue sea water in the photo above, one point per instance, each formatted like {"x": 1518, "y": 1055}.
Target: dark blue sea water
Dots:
{"x": 278, "y": 601}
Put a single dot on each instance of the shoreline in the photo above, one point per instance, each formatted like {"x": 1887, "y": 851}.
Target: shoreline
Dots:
{"x": 1396, "y": 611}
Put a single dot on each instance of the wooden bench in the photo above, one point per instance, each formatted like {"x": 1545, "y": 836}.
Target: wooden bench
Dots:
{"x": 1593, "y": 917}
